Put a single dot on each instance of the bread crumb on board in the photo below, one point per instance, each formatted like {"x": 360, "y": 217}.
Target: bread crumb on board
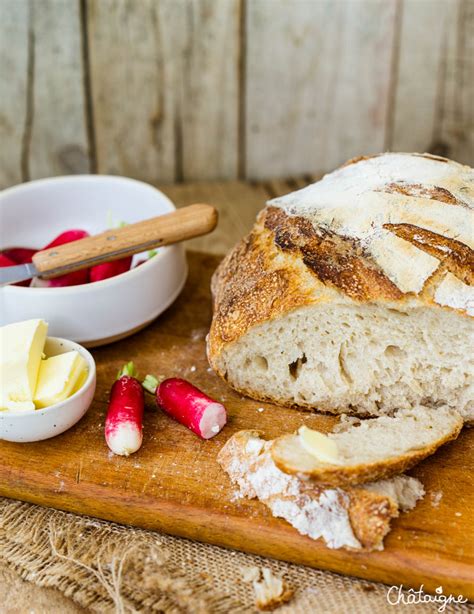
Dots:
{"x": 271, "y": 590}
{"x": 435, "y": 498}
{"x": 236, "y": 496}
{"x": 249, "y": 574}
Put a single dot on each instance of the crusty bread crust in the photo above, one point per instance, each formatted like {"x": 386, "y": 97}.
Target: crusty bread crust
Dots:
{"x": 348, "y": 475}
{"x": 370, "y": 517}
{"x": 369, "y": 513}
{"x": 287, "y": 262}
{"x": 282, "y": 265}
{"x": 258, "y": 281}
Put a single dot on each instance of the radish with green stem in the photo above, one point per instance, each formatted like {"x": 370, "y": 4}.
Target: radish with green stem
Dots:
{"x": 123, "y": 424}
{"x": 188, "y": 405}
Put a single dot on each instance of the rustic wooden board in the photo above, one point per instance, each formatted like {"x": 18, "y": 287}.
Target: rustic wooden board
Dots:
{"x": 417, "y": 79}
{"x": 237, "y": 203}
{"x": 182, "y": 89}
{"x": 173, "y": 484}
{"x": 317, "y": 83}
{"x": 132, "y": 115}
{"x": 43, "y": 128}
{"x": 13, "y": 89}
{"x": 58, "y": 140}
{"x": 168, "y": 110}
{"x": 455, "y": 127}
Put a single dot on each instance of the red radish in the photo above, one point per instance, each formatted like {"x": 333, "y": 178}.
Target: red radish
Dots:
{"x": 123, "y": 424}
{"x": 75, "y": 278}
{"x": 188, "y": 405}
{"x": 20, "y": 255}
{"x": 69, "y": 279}
{"x": 68, "y": 236}
{"x": 110, "y": 269}
{"x": 6, "y": 261}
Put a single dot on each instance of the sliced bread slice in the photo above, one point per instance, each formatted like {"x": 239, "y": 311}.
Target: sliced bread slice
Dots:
{"x": 371, "y": 449}
{"x": 355, "y": 518}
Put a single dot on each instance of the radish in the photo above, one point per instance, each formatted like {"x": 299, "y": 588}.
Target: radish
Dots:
{"x": 68, "y": 236}
{"x": 123, "y": 424}
{"x": 76, "y": 278}
{"x": 6, "y": 261}
{"x": 110, "y": 269}
{"x": 69, "y": 279}
{"x": 188, "y": 405}
{"x": 20, "y": 255}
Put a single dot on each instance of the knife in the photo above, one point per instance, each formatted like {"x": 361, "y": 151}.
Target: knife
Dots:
{"x": 186, "y": 223}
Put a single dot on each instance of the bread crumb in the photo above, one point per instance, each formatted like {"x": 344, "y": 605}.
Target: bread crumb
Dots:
{"x": 249, "y": 574}
{"x": 236, "y": 496}
{"x": 345, "y": 423}
{"x": 60, "y": 487}
{"x": 198, "y": 333}
{"x": 271, "y": 591}
{"x": 435, "y": 498}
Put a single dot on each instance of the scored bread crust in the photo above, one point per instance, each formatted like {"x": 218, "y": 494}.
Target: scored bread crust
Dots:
{"x": 347, "y": 475}
{"x": 288, "y": 262}
{"x": 367, "y": 514}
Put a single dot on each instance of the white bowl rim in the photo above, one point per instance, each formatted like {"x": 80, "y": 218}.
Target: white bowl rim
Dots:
{"x": 154, "y": 261}
{"x": 28, "y": 185}
{"x": 90, "y": 376}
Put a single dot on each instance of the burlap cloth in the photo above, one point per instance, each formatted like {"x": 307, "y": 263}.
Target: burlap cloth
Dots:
{"x": 104, "y": 567}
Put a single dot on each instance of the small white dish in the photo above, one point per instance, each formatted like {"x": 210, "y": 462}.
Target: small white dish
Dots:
{"x": 45, "y": 423}
{"x": 33, "y": 213}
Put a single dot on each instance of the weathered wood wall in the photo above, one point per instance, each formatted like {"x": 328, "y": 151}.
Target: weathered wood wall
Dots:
{"x": 170, "y": 90}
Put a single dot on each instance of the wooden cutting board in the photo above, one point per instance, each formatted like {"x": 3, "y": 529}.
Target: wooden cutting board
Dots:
{"x": 173, "y": 484}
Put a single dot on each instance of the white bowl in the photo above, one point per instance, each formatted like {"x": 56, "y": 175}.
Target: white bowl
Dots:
{"x": 51, "y": 421}
{"x": 33, "y": 213}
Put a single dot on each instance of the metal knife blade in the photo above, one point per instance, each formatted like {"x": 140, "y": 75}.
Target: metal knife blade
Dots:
{"x": 20, "y": 272}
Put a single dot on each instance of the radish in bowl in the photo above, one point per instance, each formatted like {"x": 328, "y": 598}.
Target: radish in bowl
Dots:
{"x": 109, "y": 309}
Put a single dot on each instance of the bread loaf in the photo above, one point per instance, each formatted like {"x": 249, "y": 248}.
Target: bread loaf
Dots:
{"x": 353, "y": 518}
{"x": 355, "y": 294}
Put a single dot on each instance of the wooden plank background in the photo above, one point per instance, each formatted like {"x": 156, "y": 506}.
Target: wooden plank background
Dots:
{"x": 174, "y": 90}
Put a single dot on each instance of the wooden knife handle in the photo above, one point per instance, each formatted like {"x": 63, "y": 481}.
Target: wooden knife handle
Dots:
{"x": 185, "y": 223}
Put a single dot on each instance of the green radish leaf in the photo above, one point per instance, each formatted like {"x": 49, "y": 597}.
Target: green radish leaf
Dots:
{"x": 128, "y": 369}
{"x": 150, "y": 383}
